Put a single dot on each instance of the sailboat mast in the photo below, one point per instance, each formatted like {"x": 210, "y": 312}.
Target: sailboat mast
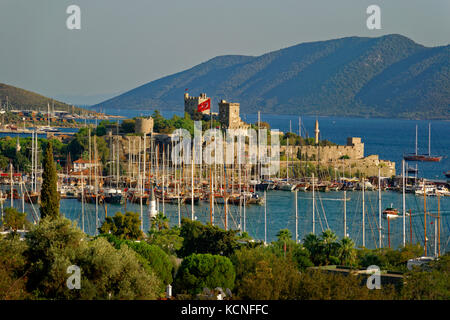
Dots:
{"x": 265, "y": 217}
{"x": 313, "y": 206}
{"x": 363, "y": 214}
{"x": 416, "y": 139}
{"x": 404, "y": 203}
{"x": 296, "y": 218}
{"x": 345, "y": 214}
{"x": 379, "y": 208}
{"x": 429, "y": 139}
{"x": 425, "y": 217}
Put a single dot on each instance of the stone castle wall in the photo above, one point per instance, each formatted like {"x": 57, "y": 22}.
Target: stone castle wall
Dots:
{"x": 144, "y": 125}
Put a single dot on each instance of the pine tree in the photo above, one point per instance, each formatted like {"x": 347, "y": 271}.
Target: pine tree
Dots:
{"x": 49, "y": 192}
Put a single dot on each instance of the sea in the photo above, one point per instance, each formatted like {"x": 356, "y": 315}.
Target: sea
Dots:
{"x": 388, "y": 138}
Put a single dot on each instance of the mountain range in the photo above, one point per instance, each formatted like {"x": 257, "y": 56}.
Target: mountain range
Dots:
{"x": 388, "y": 76}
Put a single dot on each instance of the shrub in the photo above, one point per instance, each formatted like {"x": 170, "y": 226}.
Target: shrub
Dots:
{"x": 198, "y": 271}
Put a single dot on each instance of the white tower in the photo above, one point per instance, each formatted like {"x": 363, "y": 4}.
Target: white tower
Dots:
{"x": 152, "y": 212}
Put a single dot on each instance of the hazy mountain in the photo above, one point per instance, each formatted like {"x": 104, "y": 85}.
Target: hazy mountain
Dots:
{"x": 389, "y": 76}
{"x": 20, "y": 99}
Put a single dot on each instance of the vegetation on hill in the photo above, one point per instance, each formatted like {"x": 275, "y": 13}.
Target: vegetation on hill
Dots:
{"x": 388, "y": 76}
{"x": 20, "y": 99}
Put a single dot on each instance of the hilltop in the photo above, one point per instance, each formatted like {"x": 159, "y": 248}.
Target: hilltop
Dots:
{"x": 21, "y": 99}
{"x": 388, "y": 76}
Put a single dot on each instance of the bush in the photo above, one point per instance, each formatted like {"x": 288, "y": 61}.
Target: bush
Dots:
{"x": 198, "y": 271}
{"x": 153, "y": 256}
{"x": 200, "y": 238}
{"x": 263, "y": 275}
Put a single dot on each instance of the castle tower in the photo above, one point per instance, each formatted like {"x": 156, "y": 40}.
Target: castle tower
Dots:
{"x": 191, "y": 103}
{"x": 229, "y": 115}
{"x": 316, "y": 132}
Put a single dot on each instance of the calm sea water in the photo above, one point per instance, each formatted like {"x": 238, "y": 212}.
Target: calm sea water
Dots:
{"x": 389, "y": 138}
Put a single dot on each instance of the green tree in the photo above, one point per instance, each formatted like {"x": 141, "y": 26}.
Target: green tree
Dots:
{"x": 13, "y": 274}
{"x": 53, "y": 245}
{"x": 49, "y": 193}
{"x": 14, "y": 220}
{"x": 330, "y": 246}
{"x": 168, "y": 240}
{"x": 263, "y": 275}
{"x": 200, "y": 238}
{"x": 109, "y": 273}
{"x": 124, "y": 226}
{"x": 153, "y": 256}
{"x": 160, "y": 221}
{"x": 198, "y": 271}
{"x": 346, "y": 251}
{"x": 315, "y": 248}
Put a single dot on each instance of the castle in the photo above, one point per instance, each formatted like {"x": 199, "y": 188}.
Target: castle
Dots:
{"x": 228, "y": 111}
{"x": 349, "y": 156}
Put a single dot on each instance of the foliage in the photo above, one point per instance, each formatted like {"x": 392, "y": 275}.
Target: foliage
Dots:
{"x": 322, "y": 285}
{"x": 155, "y": 257}
{"x": 433, "y": 283}
{"x": 109, "y": 273}
{"x": 168, "y": 240}
{"x": 124, "y": 226}
{"x": 198, "y": 271}
{"x": 80, "y": 145}
{"x": 127, "y": 126}
{"x": 326, "y": 249}
{"x": 52, "y": 246}
{"x": 200, "y": 238}
{"x": 263, "y": 275}
{"x": 13, "y": 275}
{"x": 388, "y": 258}
{"x": 14, "y": 220}
{"x": 49, "y": 193}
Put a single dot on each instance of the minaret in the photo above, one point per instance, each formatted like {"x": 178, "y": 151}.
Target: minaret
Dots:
{"x": 152, "y": 212}
{"x": 316, "y": 131}
{"x": 18, "y": 145}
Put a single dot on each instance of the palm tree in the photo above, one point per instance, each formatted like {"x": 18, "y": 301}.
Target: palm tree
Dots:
{"x": 313, "y": 244}
{"x": 329, "y": 242}
{"x": 160, "y": 221}
{"x": 346, "y": 251}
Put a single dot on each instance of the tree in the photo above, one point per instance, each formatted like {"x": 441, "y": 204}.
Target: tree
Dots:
{"x": 14, "y": 219}
{"x": 109, "y": 273}
{"x": 153, "y": 256}
{"x": 200, "y": 238}
{"x": 13, "y": 275}
{"x": 313, "y": 244}
{"x": 49, "y": 193}
{"x": 330, "y": 246}
{"x": 168, "y": 240}
{"x": 346, "y": 251}
{"x": 263, "y": 275}
{"x": 160, "y": 221}
{"x": 124, "y": 226}
{"x": 53, "y": 245}
{"x": 198, "y": 271}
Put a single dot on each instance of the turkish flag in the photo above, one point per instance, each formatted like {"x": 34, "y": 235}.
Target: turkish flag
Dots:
{"x": 205, "y": 105}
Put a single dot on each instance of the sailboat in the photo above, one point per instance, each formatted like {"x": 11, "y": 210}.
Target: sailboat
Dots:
{"x": 423, "y": 157}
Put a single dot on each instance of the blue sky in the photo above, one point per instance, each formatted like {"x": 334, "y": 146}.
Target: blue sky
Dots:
{"x": 124, "y": 44}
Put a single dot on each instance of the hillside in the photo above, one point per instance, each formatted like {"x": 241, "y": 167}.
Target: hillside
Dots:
{"x": 21, "y": 99}
{"x": 389, "y": 76}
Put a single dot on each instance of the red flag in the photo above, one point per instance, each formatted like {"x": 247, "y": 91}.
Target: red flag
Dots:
{"x": 205, "y": 105}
